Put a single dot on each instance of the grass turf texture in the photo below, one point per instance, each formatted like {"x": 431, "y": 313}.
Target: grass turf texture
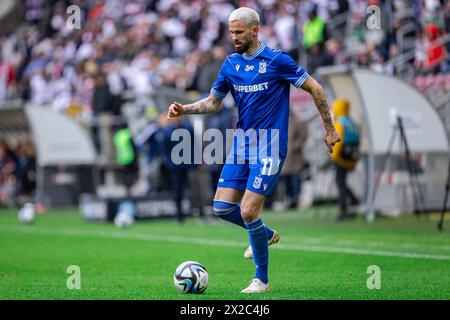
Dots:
{"x": 317, "y": 258}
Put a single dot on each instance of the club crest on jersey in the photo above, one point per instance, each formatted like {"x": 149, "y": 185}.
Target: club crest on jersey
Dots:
{"x": 262, "y": 67}
{"x": 257, "y": 182}
{"x": 237, "y": 67}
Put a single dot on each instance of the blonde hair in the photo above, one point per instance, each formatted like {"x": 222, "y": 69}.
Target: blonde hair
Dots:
{"x": 248, "y": 15}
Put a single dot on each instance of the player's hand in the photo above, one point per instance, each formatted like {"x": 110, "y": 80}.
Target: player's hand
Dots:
{"x": 175, "y": 110}
{"x": 331, "y": 138}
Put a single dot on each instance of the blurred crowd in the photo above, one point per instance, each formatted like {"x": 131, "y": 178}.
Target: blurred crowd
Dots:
{"x": 138, "y": 45}
{"x": 133, "y": 47}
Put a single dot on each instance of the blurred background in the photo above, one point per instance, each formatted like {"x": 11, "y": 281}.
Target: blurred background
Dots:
{"x": 82, "y": 109}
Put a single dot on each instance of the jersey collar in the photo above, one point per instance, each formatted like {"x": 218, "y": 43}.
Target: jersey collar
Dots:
{"x": 256, "y": 53}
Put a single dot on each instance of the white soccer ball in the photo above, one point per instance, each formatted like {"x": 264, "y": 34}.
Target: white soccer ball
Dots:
{"x": 27, "y": 214}
{"x": 191, "y": 277}
{"x": 123, "y": 220}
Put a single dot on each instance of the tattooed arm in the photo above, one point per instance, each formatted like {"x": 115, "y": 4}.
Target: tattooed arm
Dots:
{"x": 316, "y": 91}
{"x": 207, "y": 105}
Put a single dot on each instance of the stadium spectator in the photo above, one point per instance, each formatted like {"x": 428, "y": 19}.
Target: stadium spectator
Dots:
{"x": 320, "y": 57}
{"x": 314, "y": 37}
{"x": 8, "y": 162}
{"x": 207, "y": 72}
{"x": 17, "y": 171}
{"x": 345, "y": 155}
{"x": 435, "y": 52}
{"x": 178, "y": 172}
{"x": 314, "y": 33}
{"x": 126, "y": 156}
{"x": 285, "y": 28}
{"x": 7, "y": 78}
{"x": 221, "y": 120}
{"x": 102, "y": 103}
{"x": 7, "y": 155}
{"x": 25, "y": 170}
{"x": 295, "y": 161}
{"x": 338, "y": 7}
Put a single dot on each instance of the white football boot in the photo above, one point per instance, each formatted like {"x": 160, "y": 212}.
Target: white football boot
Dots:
{"x": 256, "y": 286}
{"x": 248, "y": 254}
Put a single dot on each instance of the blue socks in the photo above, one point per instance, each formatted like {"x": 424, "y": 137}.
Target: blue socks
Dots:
{"x": 258, "y": 234}
{"x": 231, "y": 211}
{"x": 258, "y": 239}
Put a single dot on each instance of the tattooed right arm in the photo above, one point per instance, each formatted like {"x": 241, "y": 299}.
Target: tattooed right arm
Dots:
{"x": 207, "y": 105}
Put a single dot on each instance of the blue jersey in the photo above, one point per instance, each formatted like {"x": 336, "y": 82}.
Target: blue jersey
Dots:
{"x": 260, "y": 85}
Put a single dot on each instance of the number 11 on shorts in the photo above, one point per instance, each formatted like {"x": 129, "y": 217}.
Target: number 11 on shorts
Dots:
{"x": 268, "y": 168}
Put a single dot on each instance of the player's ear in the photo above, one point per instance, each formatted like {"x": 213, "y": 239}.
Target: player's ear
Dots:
{"x": 255, "y": 29}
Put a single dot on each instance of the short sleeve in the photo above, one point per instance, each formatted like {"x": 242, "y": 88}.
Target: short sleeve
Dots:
{"x": 220, "y": 87}
{"x": 290, "y": 71}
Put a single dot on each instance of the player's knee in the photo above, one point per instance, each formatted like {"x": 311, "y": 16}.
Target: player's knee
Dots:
{"x": 249, "y": 213}
{"x": 223, "y": 208}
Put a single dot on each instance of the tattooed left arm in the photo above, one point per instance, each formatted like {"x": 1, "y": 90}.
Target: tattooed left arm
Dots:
{"x": 316, "y": 91}
{"x": 318, "y": 94}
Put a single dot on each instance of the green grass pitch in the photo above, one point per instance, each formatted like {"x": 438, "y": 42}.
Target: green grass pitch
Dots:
{"x": 316, "y": 258}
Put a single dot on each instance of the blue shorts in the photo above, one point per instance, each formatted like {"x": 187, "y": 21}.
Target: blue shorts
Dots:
{"x": 260, "y": 177}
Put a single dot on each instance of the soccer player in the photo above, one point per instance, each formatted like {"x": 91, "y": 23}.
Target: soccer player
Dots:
{"x": 259, "y": 80}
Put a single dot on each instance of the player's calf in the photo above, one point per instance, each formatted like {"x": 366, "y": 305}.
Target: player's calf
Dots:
{"x": 231, "y": 212}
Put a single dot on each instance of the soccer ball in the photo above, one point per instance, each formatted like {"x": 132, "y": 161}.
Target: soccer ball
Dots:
{"x": 125, "y": 215}
{"x": 123, "y": 220}
{"x": 191, "y": 277}
{"x": 27, "y": 213}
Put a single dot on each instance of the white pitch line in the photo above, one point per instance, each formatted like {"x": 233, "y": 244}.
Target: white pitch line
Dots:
{"x": 364, "y": 242}
{"x": 210, "y": 242}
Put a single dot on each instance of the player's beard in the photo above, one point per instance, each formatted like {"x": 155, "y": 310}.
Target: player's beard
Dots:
{"x": 244, "y": 47}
